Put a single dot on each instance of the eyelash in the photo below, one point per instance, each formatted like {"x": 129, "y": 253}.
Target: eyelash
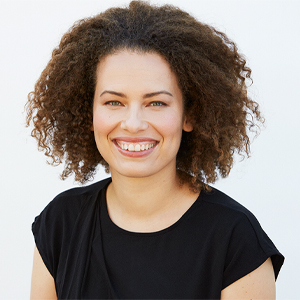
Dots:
{"x": 112, "y": 103}
{"x": 118, "y": 103}
{"x": 157, "y": 102}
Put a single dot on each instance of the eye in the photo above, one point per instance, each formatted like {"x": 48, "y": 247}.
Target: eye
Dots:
{"x": 157, "y": 103}
{"x": 113, "y": 103}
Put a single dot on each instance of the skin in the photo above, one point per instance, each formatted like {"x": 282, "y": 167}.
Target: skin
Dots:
{"x": 137, "y": 97}
{"x": 259, "y": 284}
{"x": 42, "y": 282}
{"x": 138, "y": 101}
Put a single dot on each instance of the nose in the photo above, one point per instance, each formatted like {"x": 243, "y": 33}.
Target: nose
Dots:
{"x": 134, "y": 121}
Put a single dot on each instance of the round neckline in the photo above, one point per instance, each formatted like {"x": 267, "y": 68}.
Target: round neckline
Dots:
{"x": 117, "y": 228}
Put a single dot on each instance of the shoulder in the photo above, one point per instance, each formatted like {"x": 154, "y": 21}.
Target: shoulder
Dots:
{"x": 247, "y": 244}
{"x": 76, "y": 197}
{"x": 218, "y": 198}
{"x": 225, "y": 221}
{"x": 226, "y": 208}
{"x": 82, "y": 192}
{"x": 235, "y": 224}
{"x": 54, "y": 227}
{"x": 66, "y": 206}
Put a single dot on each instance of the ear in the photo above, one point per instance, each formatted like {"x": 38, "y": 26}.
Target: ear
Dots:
{"x": 187, "y": 126}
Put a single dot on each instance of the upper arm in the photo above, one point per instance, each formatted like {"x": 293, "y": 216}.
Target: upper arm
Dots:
{"x": 259, "y": 284}
{"x": 42, "y": 283}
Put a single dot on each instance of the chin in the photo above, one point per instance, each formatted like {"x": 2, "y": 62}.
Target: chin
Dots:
{"x": 134, "y": 173}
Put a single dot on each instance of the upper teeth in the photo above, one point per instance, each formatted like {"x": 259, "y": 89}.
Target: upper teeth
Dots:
{"x": 135, "y": 147}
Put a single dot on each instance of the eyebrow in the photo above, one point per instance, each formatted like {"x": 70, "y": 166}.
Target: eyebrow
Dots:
{"x": 149, "y": 95}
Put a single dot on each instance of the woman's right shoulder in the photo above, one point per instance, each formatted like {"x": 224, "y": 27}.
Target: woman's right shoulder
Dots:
{"x": 70, "y": 202}
{"x": 53, "y": 228}
{"x": 83, "y": 191}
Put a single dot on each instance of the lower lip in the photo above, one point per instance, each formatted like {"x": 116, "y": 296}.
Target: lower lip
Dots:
{"x": 134, "y": 153}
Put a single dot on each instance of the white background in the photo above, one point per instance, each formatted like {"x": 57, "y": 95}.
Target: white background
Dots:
{"x": 267, "y": 32}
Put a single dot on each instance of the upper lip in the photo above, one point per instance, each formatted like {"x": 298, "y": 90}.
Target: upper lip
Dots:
{"x": 128, "y": 139}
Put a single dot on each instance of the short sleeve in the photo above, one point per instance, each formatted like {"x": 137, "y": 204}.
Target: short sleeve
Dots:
{"x": 52, "y": 230}
{"x": 248, "y": 248}
{"x": 46, "y": 231}
{"x": 54, "y": 227}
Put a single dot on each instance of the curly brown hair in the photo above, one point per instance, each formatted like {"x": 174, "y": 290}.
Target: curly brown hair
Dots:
{"x": 210, "y": 71}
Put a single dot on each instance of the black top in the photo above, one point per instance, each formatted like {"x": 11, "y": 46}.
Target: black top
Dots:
{"x": 216, "y": 242}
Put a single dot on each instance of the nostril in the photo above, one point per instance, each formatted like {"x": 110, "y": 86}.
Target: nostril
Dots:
{"x": 134, "y": 124}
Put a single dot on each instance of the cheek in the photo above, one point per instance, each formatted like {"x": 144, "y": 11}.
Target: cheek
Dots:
{"x": 170, "y": 125}
{"x": 103, "y": 123}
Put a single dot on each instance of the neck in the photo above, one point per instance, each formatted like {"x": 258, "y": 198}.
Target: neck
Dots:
{"x": 139, "y": 204}
{"x": 142, "y": 196}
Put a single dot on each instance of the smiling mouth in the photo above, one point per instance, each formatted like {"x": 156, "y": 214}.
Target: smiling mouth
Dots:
{"x": 135, "y": 147}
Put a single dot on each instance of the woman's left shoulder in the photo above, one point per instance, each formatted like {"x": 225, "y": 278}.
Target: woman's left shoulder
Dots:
{"x": 218, "y": 197}
{"x": 227, "y": 209}
{"x": 248, "y": 245}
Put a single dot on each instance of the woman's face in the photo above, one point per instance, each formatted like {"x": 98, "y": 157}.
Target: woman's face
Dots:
{"x": 138, "y": 114}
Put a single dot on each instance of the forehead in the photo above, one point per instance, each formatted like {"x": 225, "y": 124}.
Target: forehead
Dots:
{"x": 133, "y": 58}
{"x": 135, "y": 69}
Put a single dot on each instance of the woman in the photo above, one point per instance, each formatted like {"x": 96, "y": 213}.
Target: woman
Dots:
{"x": 160, "y": 100}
